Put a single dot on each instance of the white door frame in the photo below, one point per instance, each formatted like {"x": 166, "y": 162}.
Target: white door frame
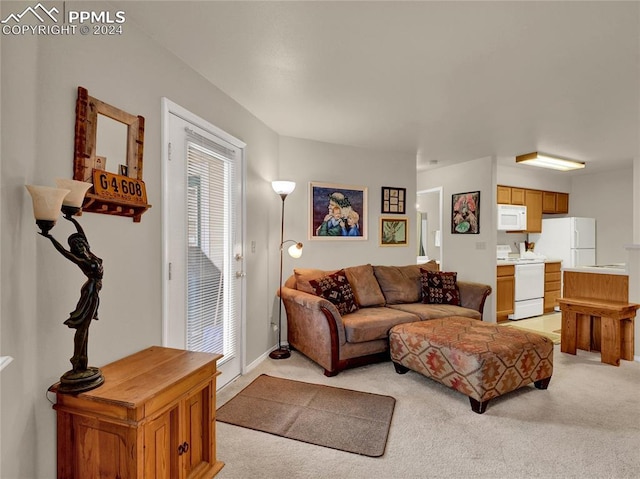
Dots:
{"x": 171, "y": 108}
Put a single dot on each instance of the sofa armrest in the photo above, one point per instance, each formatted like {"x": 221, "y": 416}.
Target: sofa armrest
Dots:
{"x": 473, "y": 295}
{"x": 314, "y": 326}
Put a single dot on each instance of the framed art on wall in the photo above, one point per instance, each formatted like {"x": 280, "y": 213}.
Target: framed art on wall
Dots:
{"x": 465, "y": 213}
{"x": 394, "y": 231}
{"x": 337, "y": 212}
{"x": 393, "y": 200}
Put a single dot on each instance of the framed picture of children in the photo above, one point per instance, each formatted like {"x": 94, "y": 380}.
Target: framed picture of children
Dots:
{"x": 465, "y": 213}
{"x": 338, "y": 212}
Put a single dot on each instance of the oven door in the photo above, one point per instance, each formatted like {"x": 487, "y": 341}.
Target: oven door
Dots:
{"x": 529, "y": 281}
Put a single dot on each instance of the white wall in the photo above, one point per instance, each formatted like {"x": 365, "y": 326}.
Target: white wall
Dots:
{"x": 39, "y": 287}
{"x": 305, "y": 161}
{"x": 471, "y": 255}
{"x": 607, "y": 197}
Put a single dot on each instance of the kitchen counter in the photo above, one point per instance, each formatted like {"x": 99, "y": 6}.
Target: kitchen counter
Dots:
{"x": 617, "y": 268}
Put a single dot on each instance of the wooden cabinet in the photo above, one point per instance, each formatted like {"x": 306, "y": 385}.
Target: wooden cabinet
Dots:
{"x": 555, "y": 203}
{"x": 509, "y": 195}
{"x": 504, "y": 195}
{"x": 562, "y": 203}
{"x": 550, "y": 202}
{"x": 517, "y": 196}
{"x": 153, "y": 418}
{"x": 505, "y": 291}
{"x": 533, "y": 202}
{"x": 552, "y": 288}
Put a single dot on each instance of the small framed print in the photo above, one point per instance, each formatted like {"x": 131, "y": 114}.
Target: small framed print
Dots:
{"x": 394, "y": 200}
{"x": 394, "y": 231}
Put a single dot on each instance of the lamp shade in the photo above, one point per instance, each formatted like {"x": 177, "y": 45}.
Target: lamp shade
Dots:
{"x": 77, "y": 191}
{"x": 295, "y": 250}
{"x": 47, "y": 201}
{"x": 283, "y": 187}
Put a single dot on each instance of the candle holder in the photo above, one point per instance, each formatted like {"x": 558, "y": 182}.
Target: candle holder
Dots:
{"x": 47, "y": 204}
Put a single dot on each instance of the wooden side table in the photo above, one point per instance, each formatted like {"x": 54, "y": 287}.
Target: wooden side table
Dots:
{"x": 598, "y": 325}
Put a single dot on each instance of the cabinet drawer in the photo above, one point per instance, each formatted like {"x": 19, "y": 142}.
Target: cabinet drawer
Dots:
{"x": 552, "y": 276}
{"x": 551, "y": 286}
{"x": 506, "y": 270}
{"x": 552, "y": 267}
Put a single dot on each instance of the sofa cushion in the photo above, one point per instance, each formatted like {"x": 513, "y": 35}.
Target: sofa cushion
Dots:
{"x": 436, "y": 311}
{"x": 304, "y": 275}
{"x": 399, "y": 284}
{"x": 439, "y": 287}
{"x": 364, "y": 285}
{"x": 368, "y": 324}
{"x": 336, "y": 288}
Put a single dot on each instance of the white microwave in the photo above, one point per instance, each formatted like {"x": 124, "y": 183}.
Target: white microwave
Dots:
{"x": 512, "y": 218}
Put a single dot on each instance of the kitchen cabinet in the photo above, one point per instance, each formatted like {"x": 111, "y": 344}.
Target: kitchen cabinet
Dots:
{"x": 555, "y": 203}
{"x": 533, "y": 202}
{"x": 505, "y": 291}
{"x": 562, "y": 203}
{"x": 551, "y": 202}
{"x": 154, "y": 417}
{"x": 509, "y": 195}
{"x": 552, "y": 288}
{"x": 504, "y": 195}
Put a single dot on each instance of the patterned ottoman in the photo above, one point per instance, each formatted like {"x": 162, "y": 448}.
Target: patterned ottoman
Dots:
{"x": 481, "y": 360}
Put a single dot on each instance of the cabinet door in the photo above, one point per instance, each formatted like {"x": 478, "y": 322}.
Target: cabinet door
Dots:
{"x": 562, "y": 203}
{"x": 504, "y": 195}
{"x": 161, "y": 446}
{"x": 198, "y": 432}
{"x": 517, "y": 196}
{"x": 548, "y": 202}
{"x": 505, "y": 295}
{"x": 533, "y": 201}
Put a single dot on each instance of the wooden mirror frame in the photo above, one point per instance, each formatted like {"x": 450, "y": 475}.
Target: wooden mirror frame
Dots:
{"x": 87, "y": 111}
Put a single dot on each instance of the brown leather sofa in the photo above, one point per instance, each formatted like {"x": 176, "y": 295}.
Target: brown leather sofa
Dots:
{"x": 385, "y": 295}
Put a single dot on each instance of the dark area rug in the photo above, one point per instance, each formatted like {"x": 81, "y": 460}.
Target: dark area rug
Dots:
{"x": 343, "y": 419}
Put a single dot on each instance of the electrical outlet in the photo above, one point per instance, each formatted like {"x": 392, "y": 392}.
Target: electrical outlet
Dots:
{"x": 481, "y": 245}
{"x": 253, "y": 246}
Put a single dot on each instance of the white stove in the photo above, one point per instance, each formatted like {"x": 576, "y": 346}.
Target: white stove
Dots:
{"x": 529, "y": 287}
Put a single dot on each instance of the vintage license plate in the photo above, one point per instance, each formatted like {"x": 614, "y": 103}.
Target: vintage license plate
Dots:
{"x": 117, "y": 187}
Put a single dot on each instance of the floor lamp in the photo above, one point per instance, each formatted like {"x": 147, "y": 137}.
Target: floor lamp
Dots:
{"x": 283, "y": 188}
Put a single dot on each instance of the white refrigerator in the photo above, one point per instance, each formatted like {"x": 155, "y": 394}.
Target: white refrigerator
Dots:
{"x": 572, "y": 240}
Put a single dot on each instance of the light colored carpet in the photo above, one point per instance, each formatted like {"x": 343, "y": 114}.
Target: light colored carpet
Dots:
{"x": 339, "y": 418}
{"x": 586, "y": 425}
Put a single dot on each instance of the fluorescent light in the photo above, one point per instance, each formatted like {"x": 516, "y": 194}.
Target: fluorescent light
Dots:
{"x": 547, "y": 161}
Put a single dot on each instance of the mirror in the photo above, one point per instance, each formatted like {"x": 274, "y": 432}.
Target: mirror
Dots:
{"x": 111, "y": 144}
{"x": 429, "y": 222}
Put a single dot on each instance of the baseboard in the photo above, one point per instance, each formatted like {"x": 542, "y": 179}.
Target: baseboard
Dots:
{"x": 250, "y": 367}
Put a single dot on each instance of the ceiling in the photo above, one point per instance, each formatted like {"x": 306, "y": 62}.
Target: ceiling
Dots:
{"x": 446, "y": 81}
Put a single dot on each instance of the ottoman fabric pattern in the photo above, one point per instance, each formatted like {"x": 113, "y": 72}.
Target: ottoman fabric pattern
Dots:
{"x": 480, "y": 360}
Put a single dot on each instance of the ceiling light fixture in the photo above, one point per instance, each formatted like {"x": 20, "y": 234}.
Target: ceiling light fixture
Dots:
{"x": 546, "y": 161}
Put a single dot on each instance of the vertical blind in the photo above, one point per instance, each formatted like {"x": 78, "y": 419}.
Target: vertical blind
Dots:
{"x": 212, "y": 315}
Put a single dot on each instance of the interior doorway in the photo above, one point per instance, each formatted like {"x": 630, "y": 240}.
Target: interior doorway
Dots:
{"x": 429, "y": 221}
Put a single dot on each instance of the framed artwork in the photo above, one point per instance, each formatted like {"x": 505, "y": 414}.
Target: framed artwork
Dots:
{"x": 393, "y": 200}
{"x": 465, "y": 213}
{"x": 394, "y": 231}
{"x": 338, "y": 212}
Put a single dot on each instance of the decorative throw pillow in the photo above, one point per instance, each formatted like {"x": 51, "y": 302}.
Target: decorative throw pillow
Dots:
{"x": 336, "y": 288}
{"x": 439, "y": 287}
